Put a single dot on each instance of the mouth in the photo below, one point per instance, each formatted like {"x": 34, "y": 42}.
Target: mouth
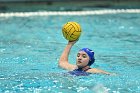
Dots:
{"x": 79, "y": 62}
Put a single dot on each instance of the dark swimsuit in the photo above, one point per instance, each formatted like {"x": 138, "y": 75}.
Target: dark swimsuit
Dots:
{"x": 79, "y": 72}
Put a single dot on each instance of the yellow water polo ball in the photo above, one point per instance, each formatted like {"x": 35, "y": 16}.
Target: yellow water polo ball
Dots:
{"x": 71, "y": 31}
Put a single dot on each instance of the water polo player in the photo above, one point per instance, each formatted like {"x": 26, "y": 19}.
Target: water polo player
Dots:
{"x": 85, "y": 58}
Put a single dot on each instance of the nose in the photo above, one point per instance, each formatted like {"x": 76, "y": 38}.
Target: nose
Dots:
{"x": 79, "y": 58}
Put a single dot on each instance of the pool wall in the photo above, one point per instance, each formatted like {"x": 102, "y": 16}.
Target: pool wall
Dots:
{"x": 67, "y": 5}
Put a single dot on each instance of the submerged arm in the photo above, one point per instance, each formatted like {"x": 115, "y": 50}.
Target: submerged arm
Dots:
{"x": 96, "y": 71}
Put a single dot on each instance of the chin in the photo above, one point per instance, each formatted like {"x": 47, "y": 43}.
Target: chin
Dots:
{"x": 79, "y": 66}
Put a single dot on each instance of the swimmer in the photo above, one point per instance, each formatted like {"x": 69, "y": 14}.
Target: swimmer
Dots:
{"x": 85, "y": 58}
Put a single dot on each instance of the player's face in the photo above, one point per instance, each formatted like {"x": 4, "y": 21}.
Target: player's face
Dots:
{"x": 82, "y": 59}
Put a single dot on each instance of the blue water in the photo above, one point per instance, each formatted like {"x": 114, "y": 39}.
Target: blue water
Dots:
{"x": 30, "y": 48}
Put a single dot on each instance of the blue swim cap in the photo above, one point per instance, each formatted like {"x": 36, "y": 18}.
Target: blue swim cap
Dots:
{"x": 90, "y": 54}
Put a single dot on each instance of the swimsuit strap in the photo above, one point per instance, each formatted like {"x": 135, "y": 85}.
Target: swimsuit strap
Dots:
{"x": 87, "y": 69}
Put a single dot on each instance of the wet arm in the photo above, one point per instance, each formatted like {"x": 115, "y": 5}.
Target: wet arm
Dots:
{"x": 96, "y": 71}
{"x": 63, "y": 61}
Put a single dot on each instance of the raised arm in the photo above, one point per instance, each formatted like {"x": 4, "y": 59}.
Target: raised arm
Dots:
{"x": 63, "y": 61}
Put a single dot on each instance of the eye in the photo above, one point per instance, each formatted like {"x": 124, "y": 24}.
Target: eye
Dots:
{"x": 84, "y": 56}
{"x": 78, "y": 55}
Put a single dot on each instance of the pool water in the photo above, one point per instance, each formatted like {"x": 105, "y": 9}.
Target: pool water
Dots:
{"x": 30, "y": 48}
